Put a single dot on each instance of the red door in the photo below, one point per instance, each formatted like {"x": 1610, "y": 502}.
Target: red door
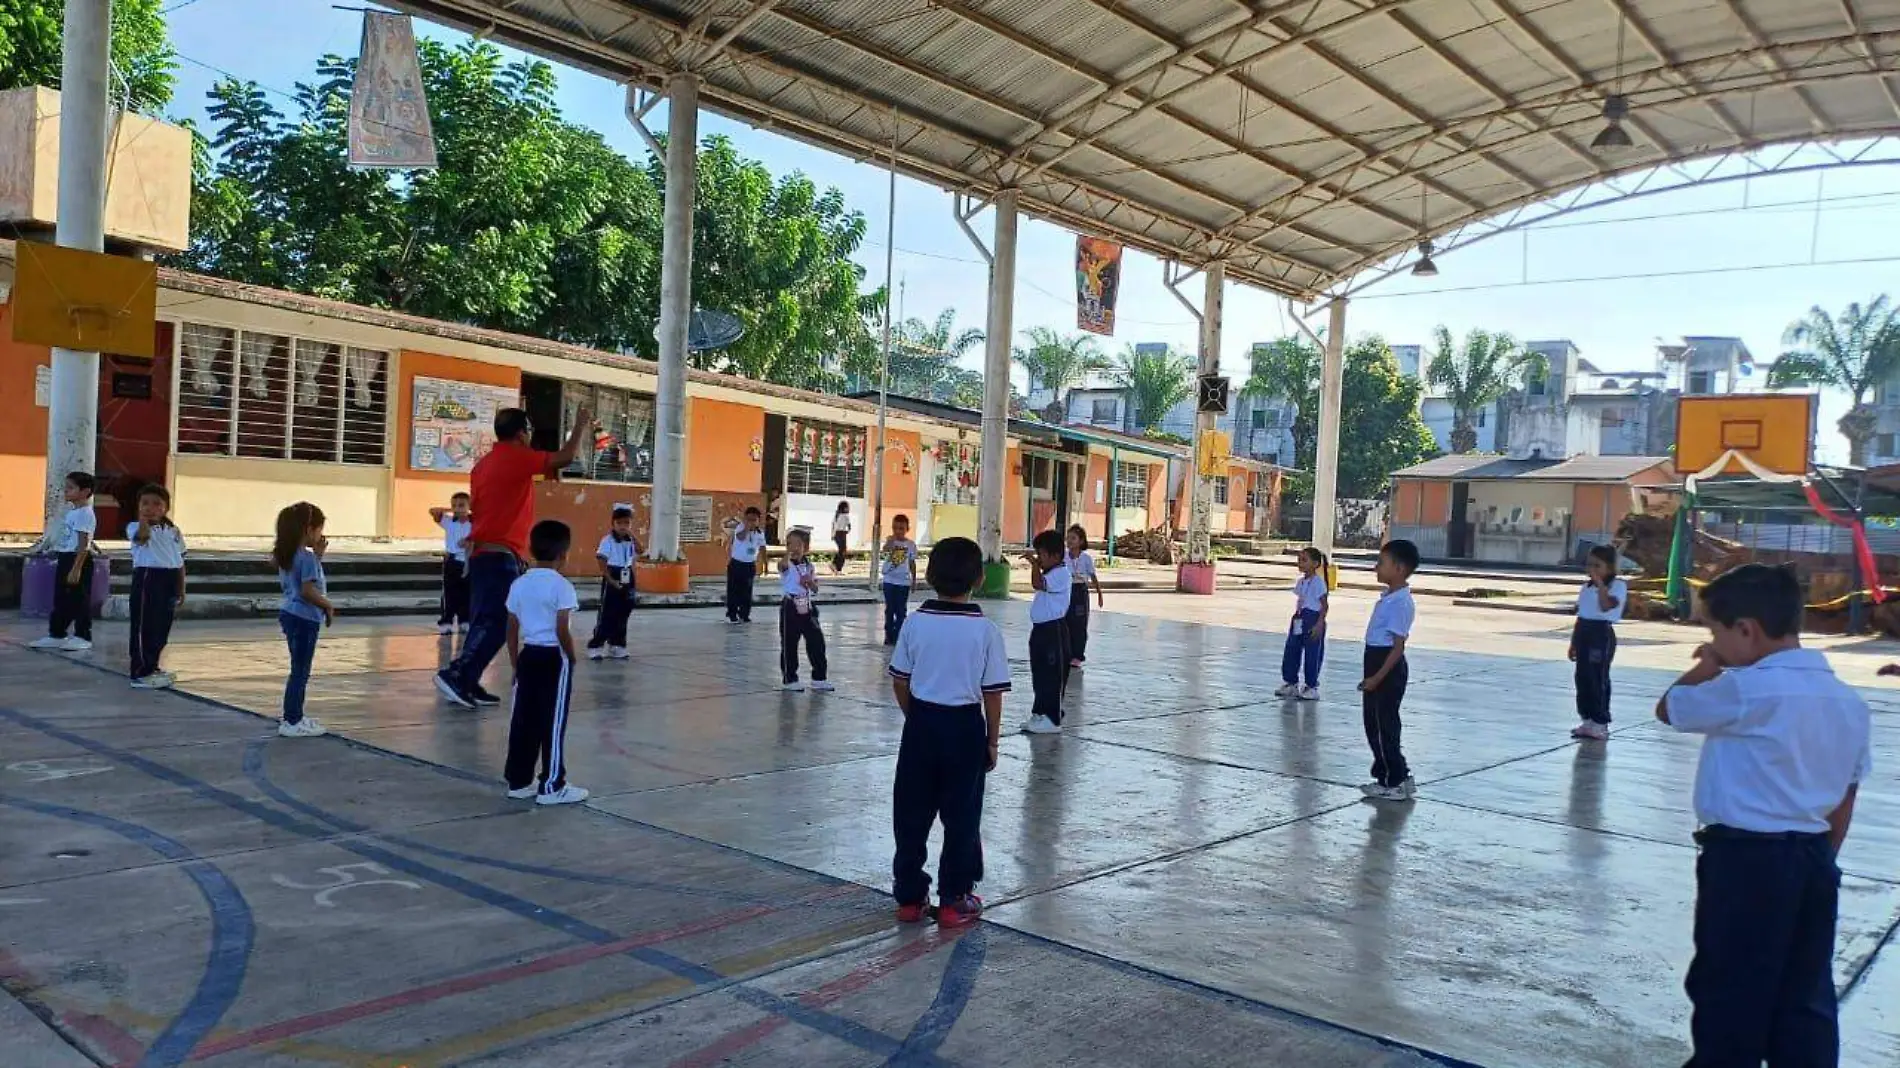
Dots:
{"x": 135, "y": 410}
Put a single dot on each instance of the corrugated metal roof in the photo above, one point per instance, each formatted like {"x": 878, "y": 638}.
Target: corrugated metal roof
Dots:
{"x": 1481, "y": 467}
{"x": 1299, "y": 140}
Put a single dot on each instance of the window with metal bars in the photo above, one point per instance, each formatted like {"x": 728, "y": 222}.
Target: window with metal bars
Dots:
{"x": 269, "y": 396}
{"x": 1131, "y": 485}
{"x": 824, "y": 458}
{"x": 1220, "y": 491}
{"x": 621, "y": 446}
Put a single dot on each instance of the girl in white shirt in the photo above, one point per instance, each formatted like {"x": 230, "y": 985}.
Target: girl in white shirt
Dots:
{"x": 1306, "y": 638}
{"x": 1081, "y": 577}
{"x": 798, "y": 614}
{"x": 840, "y": 535}
{"x": 158, "y": 585}
{"x": 1593, "y": 641}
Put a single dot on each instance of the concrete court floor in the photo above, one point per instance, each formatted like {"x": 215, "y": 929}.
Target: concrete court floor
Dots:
{"x": 1185, "y": 877}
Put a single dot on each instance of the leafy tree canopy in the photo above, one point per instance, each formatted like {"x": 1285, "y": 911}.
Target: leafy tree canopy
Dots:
{"x": 1853, "y": 352}
{"x": 1477, "y": 373}
{"x": 142, "y": 58}
{"x": 1380, "y": 429}
{"x": 1156, "y": 382}
{"x": 1057, "y": 361}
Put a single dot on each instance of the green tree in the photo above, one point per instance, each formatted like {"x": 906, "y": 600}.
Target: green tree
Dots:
{"x": 142, "y": 58}
{"x": 927, "y": 361}
{"x": 1156, "y": 382}
{"x": 1380, "y": 430}
{"x": 1853, "y": 354}
{"x": 1477, "y": 373}
{"x": 1289, "y": 368}
{"x": 1059, "y": 361}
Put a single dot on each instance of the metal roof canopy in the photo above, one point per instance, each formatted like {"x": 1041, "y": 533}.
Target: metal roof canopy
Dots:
{"x": 1300, "y": 141}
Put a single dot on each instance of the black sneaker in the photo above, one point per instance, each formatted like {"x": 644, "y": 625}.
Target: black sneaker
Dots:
{"x": 483, "y": 697}
{"x": 451, "y": 692}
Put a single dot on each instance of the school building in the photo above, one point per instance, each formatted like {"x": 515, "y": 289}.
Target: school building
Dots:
{"x": 1498, "y": 510}
{"x": 258, "y": 398}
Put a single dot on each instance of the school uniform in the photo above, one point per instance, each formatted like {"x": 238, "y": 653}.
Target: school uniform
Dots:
{"x": 455, "y": 533}
{"x": 798, "y": 621}
{"x": 1392, "y": 619}
{"x": 1081, "y": 570}
{"x": 742, "y": 566}
{"x": 1305, "y": 646}
{"x": 1594, "y": 639}
{"x": 158, "y": 573}
{"x": 1783, "y": 741}
{"x": 616, "y": 603}
{"x": 951, "y": 655}
{"x": 900, "y": 556}
{"x": 302, "y": 623}
{"x": 840, "y": 537}
{"x": 537, "y": 719}
{"x": 1049, "y": 643}
{"x": 72, "y": 603}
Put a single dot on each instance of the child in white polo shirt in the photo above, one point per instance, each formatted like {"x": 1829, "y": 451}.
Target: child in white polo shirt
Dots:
{"x": 1386, "y": 673}
{"x": 541, "y": 606}
{"x": 1785, "y": 748}
{"x": 456, "y": 524}
{"x": 1048, "y": 632}
{"x": 615, "y": 555}
{"x": 1306, "y": 635}
{"x": 798, "y": 615}
{"x": 1593, "y": 641}
{"x": 948, "y": 673}
{"x": 72, "y": 575}
{"x": 1081, "y": 577}
{"x": 900, "y": 574}
{"x": 158, "y": 585}
{"x": 744, "y": 543}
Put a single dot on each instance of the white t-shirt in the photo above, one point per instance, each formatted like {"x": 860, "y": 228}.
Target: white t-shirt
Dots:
{"x": 80, "y": 519}
{"x": 747, "y": 544}
{"x": 1309, "y": 593}
{"x": 1082, "y": 566}
{"x": 1051, "y": 603}
{"x": 1391, "y": 618}
{"x": 165, "y": 548}
{"x": 951, "y": 654}
{"x": 455, "y": 534}
{"x": 791, "y": 580}
{"x": 898, "y": 556}
{"x": 618, "y": 554}
{"x": 537, "y": 599}
{"x": 841, "y": 523}
{"x": 1588, "y": 608}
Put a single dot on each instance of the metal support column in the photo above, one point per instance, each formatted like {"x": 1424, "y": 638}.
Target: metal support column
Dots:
{"x": 884, "y": 370}
{"x": 676, "y": 309}
{"x": 72, "y": 418}
{"x": 1200, "y": 488}
{"x": 994, "y": 476}
{"x": 1332, "y": 379}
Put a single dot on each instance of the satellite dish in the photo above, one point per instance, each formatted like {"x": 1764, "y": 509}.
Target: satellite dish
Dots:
{"x": 708, "y": 329}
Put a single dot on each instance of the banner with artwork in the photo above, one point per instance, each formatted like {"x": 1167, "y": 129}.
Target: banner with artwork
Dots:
{"x": 452, "y": 424}
{"x": 1098, "y": 271}
{"x": 389, "y": 115}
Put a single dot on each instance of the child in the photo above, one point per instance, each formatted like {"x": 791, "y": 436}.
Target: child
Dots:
{"x": 841, "y": 537}
{"x": 541, "y": 605}
{"x": 1593, "y": 641}
{"x": 900, "y": 574}
{"x": 306, "y": 609}
{"x": 72, "y": 571}
{"x": 615, "y": 555}
{"x": 948, "y": 674}
{"x": 798, "y": 615}
{"x": 1785, "y": 748}
{"x": 1306, "y": 638}
{"x": 1082, "y": 568}
{"x": 744, "y": 544}
{"x": 1048, "y": 633}
{"x": 456, "y": 524}
{"x": 1384, "y": 685}
{"x": 158, "y": 585}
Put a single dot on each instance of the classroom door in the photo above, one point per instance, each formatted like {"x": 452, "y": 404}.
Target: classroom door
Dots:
{"x": 772, "y": 475}
{"x": 134, "y": 444}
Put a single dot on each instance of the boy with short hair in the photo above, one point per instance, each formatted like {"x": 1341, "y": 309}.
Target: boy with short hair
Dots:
{"x": 158, "y": 585}
{"x": 456, "y": 524}
{"x": 948, "y": 674}
{"x": 744, "y": 543}
{"x": 1785, "y": 747}
{"x": 615, "y": 556}
{"x": 1386, "y": 673}
{"x": 899, "y": 575}
{"x": 1048, "y": 632}
{"x": 72, "y": 574}
{"x": 541, "y": 605}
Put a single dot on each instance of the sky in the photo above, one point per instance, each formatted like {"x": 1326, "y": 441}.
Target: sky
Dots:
{"x": 1740, "y": 259}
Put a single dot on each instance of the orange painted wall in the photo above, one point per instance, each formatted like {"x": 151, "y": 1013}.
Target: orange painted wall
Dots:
{"x": 1095, "y": 515}
{"x": 1157, "y": 493}
{"x": 414, "y": 492}
{"x": 1590, "y": 504}
{"x": 1015, "y": 500}
{"x": 587, "y": 508}
{"x": 1405, "y": 502}
{"x": 22, "y": 432}
{"x": 1437, "y": 506}
{"x": 1239, "y": 516}
{"x": 900, "y": 489}
{"x": 719, "y": 440}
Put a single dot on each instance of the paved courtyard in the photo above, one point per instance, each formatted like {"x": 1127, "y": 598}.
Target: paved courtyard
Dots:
{"x": 1185, "y": 877}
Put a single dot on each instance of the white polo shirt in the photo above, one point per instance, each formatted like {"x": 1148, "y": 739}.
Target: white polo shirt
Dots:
{"x": 1082, "y": 567}
{"x": 618, "y": 554}
{"x": 1392, "y": 618}
{"x": 1588, "y": 608}
{"x": 455, "y": 535}
{"x": 1783, "y": 739}
{"x": 164, "y": 548}
{"x": 80, "y": 519}
{"x": 747, "y": 544}
{"x": 1310, "y": 593}
{"x": 951, "y": 654}
{"x": 537, "y": 599}
{"x": 791, "y": 578}
{"x": 1052, "y": 603}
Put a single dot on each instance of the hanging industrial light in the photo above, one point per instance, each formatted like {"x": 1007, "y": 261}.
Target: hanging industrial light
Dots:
{"x": 1616, "y": 107}
{"x": 1425, "y": 268}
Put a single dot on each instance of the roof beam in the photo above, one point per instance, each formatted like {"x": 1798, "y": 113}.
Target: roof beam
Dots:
{"x": 1577, "y": 75}
{"x": 1648, "y": 39}
{"x": 1859, "y": 31}
{"x": 1760, "y": 43}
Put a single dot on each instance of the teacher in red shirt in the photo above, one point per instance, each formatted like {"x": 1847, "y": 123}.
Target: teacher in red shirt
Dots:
{"x": 501, "y": 492}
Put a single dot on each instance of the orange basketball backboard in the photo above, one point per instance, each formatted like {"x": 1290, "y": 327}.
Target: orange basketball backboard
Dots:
{"x": 1776, "y": 430}
{"x": 85, "y": 301}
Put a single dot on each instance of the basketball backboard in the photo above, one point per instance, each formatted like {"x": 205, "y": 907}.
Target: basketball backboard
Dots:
{"x": 1775, "y": 430}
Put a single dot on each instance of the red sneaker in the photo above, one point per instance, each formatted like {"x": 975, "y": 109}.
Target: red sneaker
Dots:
{"x": 916, "y": 913}
{"x": 962, "y": 912}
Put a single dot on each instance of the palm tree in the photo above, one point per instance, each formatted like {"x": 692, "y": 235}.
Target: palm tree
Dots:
{"x": 926, "y": 358}
{"x": 1156, "y": 382}
{"x": 1478, "y": 373}
{"x": 1854, "y": 354}
{"x": 1059, "y": 361}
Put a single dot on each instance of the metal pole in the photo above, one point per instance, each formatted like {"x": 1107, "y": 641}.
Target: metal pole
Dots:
{"x": 676, "y": 309}
{"x": 1108, "y": 523}
{"x": 72, "y": 418}
{"x": 1332, "y": 380}
{"x": 884, "y": 371}
{"x": 1201, "y": 487}
{"x": 996, "y": 383}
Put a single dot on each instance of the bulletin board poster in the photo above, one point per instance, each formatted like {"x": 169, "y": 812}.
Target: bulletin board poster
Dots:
{"x": 452, "y": 424}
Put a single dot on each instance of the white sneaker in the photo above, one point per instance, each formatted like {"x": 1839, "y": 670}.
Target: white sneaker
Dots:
{"x": 306, "y": 727}
{"x": 76, "y": 645}
{"x": 524, "y": 793}
{"x": 794, "y": 686}
{"x": 1287, "y": 689}
{"x": 821, "y": 686}
{"x": 1309, "y": 693}
{"x": 1407, "y": 789}
{"x": 1042, "y": 725}
{"x": 161, "y": 680}
{"x": 618, "y": 652}
{"x": 48, "y": 642}
{"x": 1371, "y": 789}
{"x": 1389, "y": 793}
{"x": 596, "y": 654}
{"x": 566, "y": 795}
{"x": 444, "y": 628}
{"x": 145, "y": 683}
{"x": 1593, "y": 731}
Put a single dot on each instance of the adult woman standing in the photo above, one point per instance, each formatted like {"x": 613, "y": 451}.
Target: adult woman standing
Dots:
{"x": 840, "y": 535}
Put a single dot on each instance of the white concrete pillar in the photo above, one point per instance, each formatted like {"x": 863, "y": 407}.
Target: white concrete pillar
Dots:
{"x": 676, "y": 310}
{"x": 85, "y": 115}
{"x": 1201, "y": 490}
{"x": 1332, "y": 378}
{"x": 994, "y": 476}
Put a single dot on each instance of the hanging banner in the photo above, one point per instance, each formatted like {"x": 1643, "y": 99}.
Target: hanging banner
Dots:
{"x": 389, "y": 115}
{"x": 1098, "y": 272}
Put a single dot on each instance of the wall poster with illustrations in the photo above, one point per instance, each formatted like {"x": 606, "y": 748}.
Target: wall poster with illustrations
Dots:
{"x": 453, "y": 423}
